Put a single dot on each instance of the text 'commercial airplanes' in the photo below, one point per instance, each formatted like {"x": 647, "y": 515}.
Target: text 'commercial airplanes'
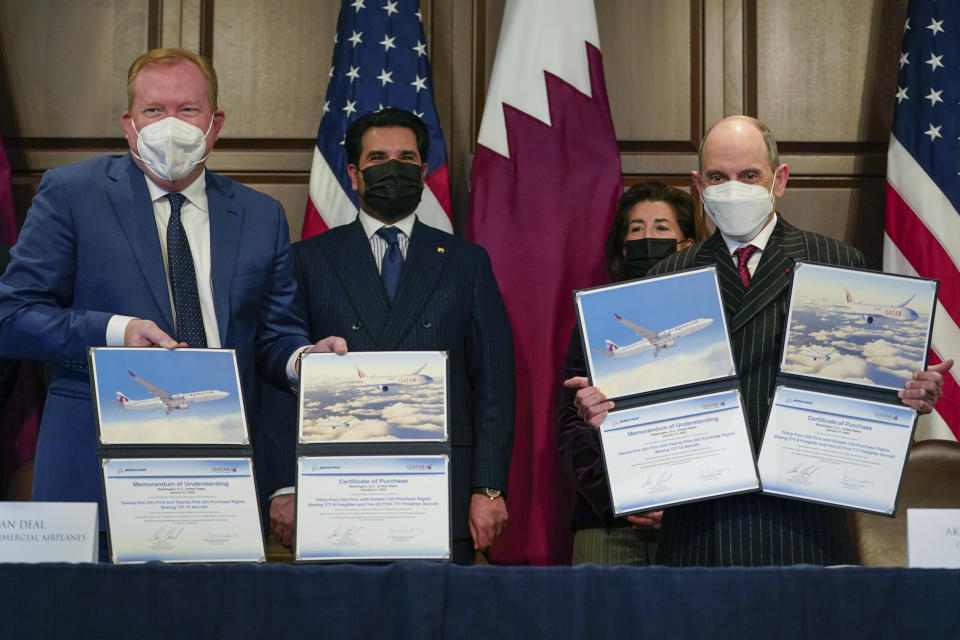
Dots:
{"x": 655, "y": 341}
{"x": 164, "y": 400}
{"x": 871, "y": 312}
{"x": 385, "y": 382}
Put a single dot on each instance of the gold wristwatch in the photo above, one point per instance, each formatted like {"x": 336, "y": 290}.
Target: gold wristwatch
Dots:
{"x": 493, "y": 494}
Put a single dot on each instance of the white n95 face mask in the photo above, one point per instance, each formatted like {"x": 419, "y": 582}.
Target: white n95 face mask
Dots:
{"x": 739, "y": 210}
{"x": 171, "y": 148}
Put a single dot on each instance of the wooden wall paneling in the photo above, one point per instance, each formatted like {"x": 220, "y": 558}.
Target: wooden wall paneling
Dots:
{"x": 821, "y": 74}
{"x": 65, "y": 63}
{"x": 451, "y": 40}
{"x": 181, "y": 23}
{"x": 713, "y": 60}
{"x": 273, "y": 61}
{"x": 647, "y": 62}
{"x": 849, "y": 209}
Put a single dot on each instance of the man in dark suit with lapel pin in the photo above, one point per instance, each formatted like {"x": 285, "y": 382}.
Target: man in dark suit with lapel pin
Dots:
{"x": 388, "y": 282}
{"x": 754, "y": 249}
{"x": 147, "y": 249}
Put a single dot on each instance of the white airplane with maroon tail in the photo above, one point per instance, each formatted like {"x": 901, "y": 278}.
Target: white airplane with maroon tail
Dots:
{"x": 871, "y": 312}
{"x": 656, "y": 341}
{"x": 385, "y": 382}
{"x": 163, "y": 400}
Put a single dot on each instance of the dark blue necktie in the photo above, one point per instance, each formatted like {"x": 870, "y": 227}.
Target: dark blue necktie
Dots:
{"x": 183, "y": 278}
{"x": 392, "y": 262}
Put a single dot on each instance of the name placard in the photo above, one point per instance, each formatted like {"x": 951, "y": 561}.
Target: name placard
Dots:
{"x": 48, "y": 532}
{"x": 933, "y": 538}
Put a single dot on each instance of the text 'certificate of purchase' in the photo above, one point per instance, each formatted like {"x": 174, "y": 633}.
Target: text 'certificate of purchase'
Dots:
{"x": 678, "y": 451}
{"x": 843, "y": 451}
{"x": 373, "y": 507}
{"x": 182, "y": 509}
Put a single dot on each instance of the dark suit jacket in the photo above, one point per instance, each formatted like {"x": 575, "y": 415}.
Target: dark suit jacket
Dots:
{"x": 8, "y": 367}
{"x": 754, "y": 529}
{"x": 447, "y": 299}
{"x": 89, "y": 249}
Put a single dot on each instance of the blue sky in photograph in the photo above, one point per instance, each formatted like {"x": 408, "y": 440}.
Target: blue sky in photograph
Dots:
{"x": 656, "y": 304}
{"x": 337, "y": 405}
{"x": 828, "y": 339}
{"x": 177, "y": 371}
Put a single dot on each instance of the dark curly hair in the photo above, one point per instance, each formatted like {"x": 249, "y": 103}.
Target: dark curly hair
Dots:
{"x": 679, "y": 201}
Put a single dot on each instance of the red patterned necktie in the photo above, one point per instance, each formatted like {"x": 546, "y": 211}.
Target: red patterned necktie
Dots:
{"x": 743, "y": 257}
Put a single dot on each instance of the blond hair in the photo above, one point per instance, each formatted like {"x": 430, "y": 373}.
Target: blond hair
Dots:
{"x": 172, "y": 55}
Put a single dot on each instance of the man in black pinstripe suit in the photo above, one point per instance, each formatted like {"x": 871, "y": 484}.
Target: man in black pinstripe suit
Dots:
{"x": 739, "y": 177}
{"x": 446, "y": 299}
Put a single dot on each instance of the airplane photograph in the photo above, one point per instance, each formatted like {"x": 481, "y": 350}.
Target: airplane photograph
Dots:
{"x": 856, "y": 326}
{"x": 654, "y": 333}
{"x": 157, "y": 396}
{"x": 385, "y": 382}
{"x": 373, "y": 396}
{"x": 163, "y": 400}
{"x": 656, "y": 342}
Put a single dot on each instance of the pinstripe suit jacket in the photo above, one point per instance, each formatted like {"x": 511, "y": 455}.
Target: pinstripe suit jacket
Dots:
{"x": 754, "y": 529}
{"x": 448, "y": 299}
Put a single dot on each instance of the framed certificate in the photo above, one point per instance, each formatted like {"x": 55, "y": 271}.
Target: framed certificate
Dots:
{"x": 837, "y": 450}
{"x": 182, "y": 510}
{"x": 655, "y": 333}
{"x": 373, "y": 508}
{"x": 364, "y": 397}
{"x": 857, "y": 327}
{"x": 680, "y": 451}
{"x": 156, "y": 397}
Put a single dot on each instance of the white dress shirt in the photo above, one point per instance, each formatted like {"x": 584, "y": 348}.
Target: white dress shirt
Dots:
{"x": 196, "y": 222}
{"x": 378, "y": 245}
{"x": 195, "y": 217}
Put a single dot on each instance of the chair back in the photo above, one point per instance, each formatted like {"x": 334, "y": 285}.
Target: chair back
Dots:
{"x": 931, "y": 480}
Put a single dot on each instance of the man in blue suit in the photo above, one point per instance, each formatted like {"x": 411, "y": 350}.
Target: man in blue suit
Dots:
{"x": 388, "y": 282}
{"x": 147, "y": 249}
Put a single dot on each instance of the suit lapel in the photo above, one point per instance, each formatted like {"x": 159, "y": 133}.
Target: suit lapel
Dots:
{"x": 425, "y": 259}
{"x": 715, "y": 253}
{"x": 352, "y": 261}
{"x": 226, "y": 223}
{"x": 131, "y": 203}
{"x": 772, "y": 275}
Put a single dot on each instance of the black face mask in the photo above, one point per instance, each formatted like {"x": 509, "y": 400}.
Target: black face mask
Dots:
{"x": 392, "y": 188}
{"x": 640, "y": 255}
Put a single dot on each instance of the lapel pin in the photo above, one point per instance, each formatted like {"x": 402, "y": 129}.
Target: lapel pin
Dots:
{"x": 441, "y": 250}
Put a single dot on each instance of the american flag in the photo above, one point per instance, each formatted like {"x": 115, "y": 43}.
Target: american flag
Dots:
{"x": 922, "y": 234}
{"x": 379, "y": 60}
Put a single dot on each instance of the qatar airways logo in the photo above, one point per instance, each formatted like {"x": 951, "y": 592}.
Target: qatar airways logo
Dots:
{"x": 223, "y": 469}
{"x": 886, "y": 415}
{"x": 714, "y": 405}
{"x": 419, "y": 467}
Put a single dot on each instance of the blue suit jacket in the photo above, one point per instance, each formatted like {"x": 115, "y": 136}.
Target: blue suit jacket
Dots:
{"x": 447, "y": 299}
{"x": 89, "y": 249}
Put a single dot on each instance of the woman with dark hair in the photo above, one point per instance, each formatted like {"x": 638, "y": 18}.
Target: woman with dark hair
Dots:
{"x": 652, "y": 221}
